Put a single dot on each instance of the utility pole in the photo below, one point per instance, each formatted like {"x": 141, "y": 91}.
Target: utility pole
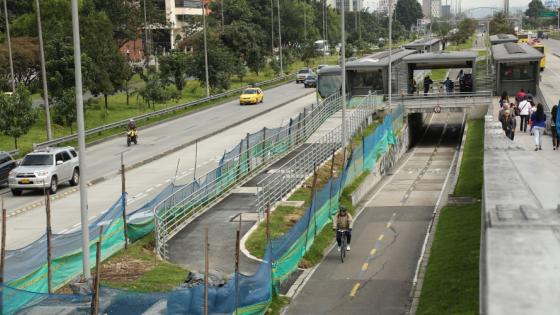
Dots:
{"x": 9, "y": 47}
{"x": 146, "y": 25}
{"x": 222, "y": 15}
{"x": 324, "y": 36}
{"x": 205, "y": 50}
{"x": 43, "y": 72}
{"x": 343, "y": 76}
{"x": 304, "y": 22}
{"x": 272, "y": 28}
{"x": 280, "y": 40}
{"x": 81, "y": 139}
{"x": 390, "y": 52}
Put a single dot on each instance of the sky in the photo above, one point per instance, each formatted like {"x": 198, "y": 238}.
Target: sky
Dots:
{"x": 468, "y": 4}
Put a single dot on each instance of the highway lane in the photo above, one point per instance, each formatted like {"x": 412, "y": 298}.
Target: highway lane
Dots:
{"x": 103, "y": 159}
{"x": 551, "y": 74}
{"x": 143, "y": 184}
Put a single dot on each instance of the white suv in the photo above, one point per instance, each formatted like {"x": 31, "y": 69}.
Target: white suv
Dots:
{"x": 45, "y": 168}
{"x": 302, "y": 74}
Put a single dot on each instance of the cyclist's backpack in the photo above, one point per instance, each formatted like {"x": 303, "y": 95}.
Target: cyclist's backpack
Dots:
{"x": 451, "y": 85}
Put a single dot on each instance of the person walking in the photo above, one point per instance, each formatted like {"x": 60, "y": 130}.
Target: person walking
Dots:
{"x": 461, "y": 77}
{"x": 508, "y": 124}
{"x": 411, "y": 87}
{"x": 539, "y": 124}
{"x": 529, "y": 95}
{"x": 448, "y": 85}
{"x": 504, "y": 98}
{"x": 553, "y": 129}
{"x": 524, "y": 107}
{"x": 519, "y": 97}
{"x": 427, "y": 82}
{"x": 531, "y": 111}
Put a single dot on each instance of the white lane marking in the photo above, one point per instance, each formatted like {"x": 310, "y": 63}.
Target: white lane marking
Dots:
{"x": 76, "y": 224}
{"x": 191, "y": 169}
{"x": 183, "y": 175}
{"x": 61, "y": 232}
{"x": 184, "y": 172}
{"x": 198, "y": 165}
{"x": 70, "y": 231}
{"x": 553, "y": 71}
{"x": 158, "y": 185}
{"x": 140, "y": 194}
{"x": 105, "y": 211}
{"x": 168, "y": 180}
{"x": 92, "y": 217}
{"x": 204, "y": 163}
{"x": 149, "y": 189}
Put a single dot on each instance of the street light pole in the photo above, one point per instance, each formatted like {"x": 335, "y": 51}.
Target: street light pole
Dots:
{"x": 205, "y": 50}
{"x": 390, "y": 52}
{"x": 9, "y": 47}
{"x": 324, "y": 36}
{"x": 43, "y": 72}
{"x": 81, "y": 139}
{"x": 222, "y": 15}
{"x": 272, "y": 29}
{"x": 280, "y": 41}
{"x": 343, "y": 76}
{"x": 304, "y": 22}
{"x": 148, "y": 56}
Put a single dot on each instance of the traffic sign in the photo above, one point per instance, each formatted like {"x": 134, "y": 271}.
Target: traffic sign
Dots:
{"x": 549, "y": 14}
{"x": 437, "y": 109}
{"x": 337, "y": 49}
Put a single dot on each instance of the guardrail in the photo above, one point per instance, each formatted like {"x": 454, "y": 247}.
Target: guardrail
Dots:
{"x": 13, "y": 153}
{"x": 153, "y": 114}
{"x": 174, "y": 212}
{"x": 282, "y": 181}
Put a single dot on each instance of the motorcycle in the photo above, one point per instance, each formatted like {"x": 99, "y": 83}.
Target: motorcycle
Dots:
{"x": 131, "y": 136}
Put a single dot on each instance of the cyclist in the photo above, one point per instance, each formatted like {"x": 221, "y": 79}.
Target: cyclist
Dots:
{"x": 343, "y": 221}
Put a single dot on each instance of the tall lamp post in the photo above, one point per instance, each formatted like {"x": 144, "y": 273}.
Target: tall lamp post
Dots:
{"x": 343, "y": 76}
{"x": 81, "y": 139}
{"x": 280, "y": 41}
{"x": 43, "y": 72}
{"x": 9, "y": 47}
{"x": 205, "y": 50}
{"x": 390, "y": 52}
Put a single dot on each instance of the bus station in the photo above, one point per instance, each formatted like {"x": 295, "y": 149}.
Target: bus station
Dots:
{"x": 517, "y": 67}
{"x": 424, "y": 45}
{"x": 502, "y": 39}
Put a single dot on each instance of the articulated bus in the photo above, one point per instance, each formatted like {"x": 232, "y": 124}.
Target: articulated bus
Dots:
{"x": 542, "y": 49}
{"x": 523, "y": 38}
{"x": 329, "y": 81}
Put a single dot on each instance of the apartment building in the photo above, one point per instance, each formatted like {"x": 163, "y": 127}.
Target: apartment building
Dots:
{"x": 432, "y": 7}
{"x": 349, "y": 5}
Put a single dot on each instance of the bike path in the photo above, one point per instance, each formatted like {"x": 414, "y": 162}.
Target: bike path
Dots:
{"x": 377, "y": 274}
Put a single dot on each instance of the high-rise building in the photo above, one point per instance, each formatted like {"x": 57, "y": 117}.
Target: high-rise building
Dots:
{"x": 384, "y": 5}
{"x": 432, "y": 7}
{"x": 445, "y": 9}
{"x": 349, "y": 5}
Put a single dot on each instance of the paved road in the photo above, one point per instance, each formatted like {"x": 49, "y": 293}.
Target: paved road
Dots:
{"x": 376, "y": 276}
{"x": 105, "y": 158}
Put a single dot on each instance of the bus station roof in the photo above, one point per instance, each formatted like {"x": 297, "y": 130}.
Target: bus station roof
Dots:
{"x": 442, "y": 56}
{"x": 419, "y": 43}
{"x": 515, "y": 52}
{"x": 378, "y": 60}
{"x": 503, "y": 38}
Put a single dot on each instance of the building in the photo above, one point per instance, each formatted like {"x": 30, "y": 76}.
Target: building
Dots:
{"x": 435, "y": 10}
{"x": 445, "y": 9}
{"x": 349, "y": 5}
{"x": 384, "y": 6}
{"x": 133, "y": 49}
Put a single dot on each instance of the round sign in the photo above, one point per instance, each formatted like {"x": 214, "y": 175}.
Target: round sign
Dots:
{"x": 437, "y": 109}
{"x": 337, "y": 49}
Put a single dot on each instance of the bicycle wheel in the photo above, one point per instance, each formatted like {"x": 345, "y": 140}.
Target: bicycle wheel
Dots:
{"x": 343, "y": 248}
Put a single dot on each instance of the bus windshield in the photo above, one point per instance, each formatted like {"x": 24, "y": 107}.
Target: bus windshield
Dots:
{"x": 520, "y": 36}
{"x": 329, "y": 84}
{"x": 541, "y": 49}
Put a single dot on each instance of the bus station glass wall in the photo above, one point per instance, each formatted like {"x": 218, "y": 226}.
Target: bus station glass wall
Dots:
{"x": 371, "y": 80}
{"x": 517, "y": 73}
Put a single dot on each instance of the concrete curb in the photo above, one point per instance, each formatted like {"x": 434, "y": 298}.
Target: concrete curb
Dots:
{"x": 187, "y": 144}
{"x": 121, "y": 134}
{"x": 459, "y": 160}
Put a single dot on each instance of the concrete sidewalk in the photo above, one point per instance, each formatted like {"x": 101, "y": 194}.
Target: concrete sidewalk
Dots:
{"x": 547, "y": 157}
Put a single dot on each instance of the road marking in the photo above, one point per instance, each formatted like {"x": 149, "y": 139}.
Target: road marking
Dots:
{"x": 168, "y": 180}
{"x": 158, "y": 185}
{"x": 400, "y": 204}
{"x": 354, "y": 289}
{"x": 364, "y": 267}
{"x": 389, "y": 224}
{"x": 140, "y": 194}
{"x": 62, "y": 231}
{"x": 373, "y": 251}
{"x": 92, "y": 217}
{"x": 149, "y": 189}
{"x": 76, "y": 224}
{"x": 105, "y": 211}
{"x": 191, "y": 169}
{"x": 381, "y": 237}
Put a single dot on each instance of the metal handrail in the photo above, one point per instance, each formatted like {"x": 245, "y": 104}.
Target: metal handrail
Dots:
{"x": 153, "y": 114}
{"x": 13, "y": 153}
{"x": 174, "y": 212}
{"x": 282, "y": 181}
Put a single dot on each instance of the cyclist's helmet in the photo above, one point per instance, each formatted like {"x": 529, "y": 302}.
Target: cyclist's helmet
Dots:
{"x": 342, "y": 208}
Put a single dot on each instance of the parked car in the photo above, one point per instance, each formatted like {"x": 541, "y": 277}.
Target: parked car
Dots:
{"x": 302, "y": 74}
{"x": 7, "y": 164}
{"x": 352, "y": 59}
{"x": 310, "y": 81}
{"x": 251, "y": 95}
{"x": 45, "y": 168}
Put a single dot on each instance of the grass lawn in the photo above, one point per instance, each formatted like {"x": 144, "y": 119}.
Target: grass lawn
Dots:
{"x": 438, "y": 74}
{"x": 283, "y": 218}
{"x": 119, "y": 110}
{"x": 466, "y": 45}
{"x": 451, "y": 284}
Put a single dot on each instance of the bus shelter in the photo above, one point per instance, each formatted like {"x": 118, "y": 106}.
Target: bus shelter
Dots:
{"x": 423, "y": 45}
{"x": 517, "y": 67}
{"x": 371, "y": 73}
{"x": 465, "y": 60}
{"x": 502, "y": 39}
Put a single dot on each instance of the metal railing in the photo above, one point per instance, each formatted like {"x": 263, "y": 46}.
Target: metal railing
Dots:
{"x": 173, "y": 213}
{"x": 154, "y": 114}
{"x": 282, "y": 181}
{"x": 13, "y": 153}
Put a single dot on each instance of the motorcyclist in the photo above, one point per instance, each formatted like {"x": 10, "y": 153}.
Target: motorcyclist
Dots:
{"x": 132, "y": 126}
{"x": 343, "y": 221}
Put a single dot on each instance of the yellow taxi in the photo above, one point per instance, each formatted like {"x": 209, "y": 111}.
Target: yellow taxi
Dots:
{"x": 251, "y": 96}
{"x": 8, "y": 93}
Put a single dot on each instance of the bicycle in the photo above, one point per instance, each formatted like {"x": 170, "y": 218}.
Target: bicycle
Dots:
{"x": 343, "y": 245}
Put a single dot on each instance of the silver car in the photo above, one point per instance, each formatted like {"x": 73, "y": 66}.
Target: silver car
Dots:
{"x": 302, "y": 74}
{"x": 45, "y": 168}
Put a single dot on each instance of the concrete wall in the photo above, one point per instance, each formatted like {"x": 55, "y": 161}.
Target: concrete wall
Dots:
{"x": 473, "y": 112}
{"x": 383, "y": 165}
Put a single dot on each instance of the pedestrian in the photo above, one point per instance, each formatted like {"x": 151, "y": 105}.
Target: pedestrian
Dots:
{"x": 529, "y": 95}
{"x": 524, "y": 107}
{"x": 519, "y": 97}
{"x": 553, "y": 130}
{"x": 461, "y": 77}
{"x": 507, "y": 124}
{"x": 427, "y": 82}
{"x": 448, "y": 85}
{"x": 531, "y": 111}
{"x": 411, "y": 87}
{"x": 539, "y": 124}
{"x": 512, "y": 115}
{"x": 504, "y": 98}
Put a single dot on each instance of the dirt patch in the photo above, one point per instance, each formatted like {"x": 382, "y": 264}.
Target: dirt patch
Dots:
{"x": 294, "y": 216}
{"x": 305, "y": 264}
{"x": 125, "y": 269}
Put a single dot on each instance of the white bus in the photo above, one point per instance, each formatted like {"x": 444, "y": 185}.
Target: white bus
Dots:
{"x": 320, "y": 44}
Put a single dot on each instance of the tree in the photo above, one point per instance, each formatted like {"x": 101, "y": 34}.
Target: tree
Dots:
{"x": 25, "y": 55}
{"x": 408, "y": 12}
{"x": 17, "y": 114}
{"x": 256, "y": 59}
{"x": 498, "y": 25}
{"x": 534, "y": 10}
{"x": 239, "y": 69}
{"x": 219, "y": 62}
{"x": 443, "y": 33}
{"x": 308, "y": 52}
{"x": 65, "y": 108}
{"x": 174, "y": 67}
{"x": 234, "y": 10}
{"x": 240, "y": 37}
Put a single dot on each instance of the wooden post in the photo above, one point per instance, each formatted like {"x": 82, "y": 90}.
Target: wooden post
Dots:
{"x": 237, "y": 244}
{"x": 97, "y": 272}
{"x": 248, "y": 154}
{"x": 49, "y": 240}
{"x": 364, "y": 153}
{"x": 332, "y": 163}
{"x": 206, "y": 246}
{"x": 311, "y": 203}
{"x": 3, "y": 255}
{"x": 195, "y": 157}
{"x": 123, "y": 179}
{"x": 313, "y": 110}
{"x": 239, "y": 162}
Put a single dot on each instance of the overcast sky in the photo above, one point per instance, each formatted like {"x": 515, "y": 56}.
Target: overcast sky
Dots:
{"x": 467, "y": 4}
